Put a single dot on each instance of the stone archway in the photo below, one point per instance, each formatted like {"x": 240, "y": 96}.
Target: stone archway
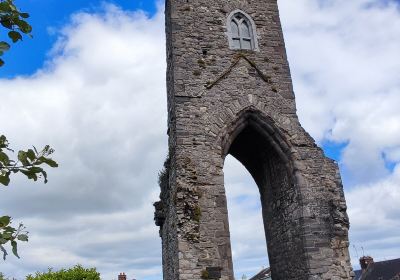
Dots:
{"x": 254, "y": 141}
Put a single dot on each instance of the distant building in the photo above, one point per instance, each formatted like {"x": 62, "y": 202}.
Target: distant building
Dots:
{"x": 122, "y": 276}
{"x": 385, "y": 270}
{"x": 264, "y": 274}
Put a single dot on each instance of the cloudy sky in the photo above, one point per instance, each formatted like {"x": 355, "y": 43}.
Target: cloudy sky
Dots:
{"x": 91, "y": 84}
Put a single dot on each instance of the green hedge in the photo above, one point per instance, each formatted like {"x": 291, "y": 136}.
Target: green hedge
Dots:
{"x": 76, "y": 273}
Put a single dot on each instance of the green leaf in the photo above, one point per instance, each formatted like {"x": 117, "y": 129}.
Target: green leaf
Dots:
{"x": 3, "y": 142}
{"x": 50, "y": 162}
{"x": 31, "y": 154}
{"x": 4, "y": 252}
{"x": 23, "y": 157}
{"x": 23, "y": 237}
{"x": 4, "y": 158}
{"x": 5, "y": 7}
{"x": 15, "y": 36}
{"x": 23, "y": 26}
{"x": 5, "y": 179}
{"x": 5, "y": 221}
{"x": 4, "y": 46}
{"x": 35, "y": 169}
{"x": 12, "y": 6}
{"x": 30, "y": 174}
{"x": 24, "y": 15}
{"x": 14, "y": 248}
{"x": 44, "y": 176}
{"x": 1, "y": 62}
{"x": 6, "y": 22}
{"x": 9, "y": 229}
{"x": 7, "y": 235}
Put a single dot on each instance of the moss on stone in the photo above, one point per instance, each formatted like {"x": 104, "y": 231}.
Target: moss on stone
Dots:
{"x": 196, "y": 73}
{"x": 197, "y": 214}
{"x": 205, "y": 274}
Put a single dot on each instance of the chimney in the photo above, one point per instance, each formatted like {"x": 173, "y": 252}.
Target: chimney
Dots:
{"x": 122, "y": 276}
{"x": 365, "y": 262}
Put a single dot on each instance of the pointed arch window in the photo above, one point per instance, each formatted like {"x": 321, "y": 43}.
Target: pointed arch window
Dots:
{"x": 241, "y": 31}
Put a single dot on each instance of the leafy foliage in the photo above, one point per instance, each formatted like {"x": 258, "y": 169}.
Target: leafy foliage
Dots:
{"x": 76, "y": 273}
{"x": 15, "y": 23}
{"x": 28, "y": 163}
{"x": 12, "y": 235}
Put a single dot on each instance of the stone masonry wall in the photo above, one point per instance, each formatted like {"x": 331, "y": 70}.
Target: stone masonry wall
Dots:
{"x": 224, "y": 101}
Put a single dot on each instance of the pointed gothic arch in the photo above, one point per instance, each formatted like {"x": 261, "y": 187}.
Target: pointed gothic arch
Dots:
{"x": 260, "y": 146}
{"x": 242, "y": 32}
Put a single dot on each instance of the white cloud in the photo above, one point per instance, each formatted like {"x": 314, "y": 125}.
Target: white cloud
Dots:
{"x": 101, "y": 103}
{"x": 345, "y": 63}
{"x": 374, "y": 214}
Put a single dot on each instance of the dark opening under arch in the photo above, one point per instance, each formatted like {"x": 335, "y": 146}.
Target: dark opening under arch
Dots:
{"x": 259, "y": 146}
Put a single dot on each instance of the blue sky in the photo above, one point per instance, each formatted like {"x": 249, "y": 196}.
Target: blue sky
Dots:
{"x": 108, "y": 72}
{"x": 46, "y": 18}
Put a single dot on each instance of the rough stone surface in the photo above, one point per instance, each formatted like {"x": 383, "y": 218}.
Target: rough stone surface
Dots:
{"x": 223, "y": 101}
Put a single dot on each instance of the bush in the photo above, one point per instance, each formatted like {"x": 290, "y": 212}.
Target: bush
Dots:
{"x": 75, "y": 273}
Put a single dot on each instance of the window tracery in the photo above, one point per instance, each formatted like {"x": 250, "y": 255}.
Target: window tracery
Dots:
{"x": 241, "y": 31}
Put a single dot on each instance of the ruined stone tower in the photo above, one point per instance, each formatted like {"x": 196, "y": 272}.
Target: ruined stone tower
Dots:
{"x": 230, "y": 92}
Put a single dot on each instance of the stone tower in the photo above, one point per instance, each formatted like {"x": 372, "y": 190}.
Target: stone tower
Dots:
{"x": 230, "y": 92}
